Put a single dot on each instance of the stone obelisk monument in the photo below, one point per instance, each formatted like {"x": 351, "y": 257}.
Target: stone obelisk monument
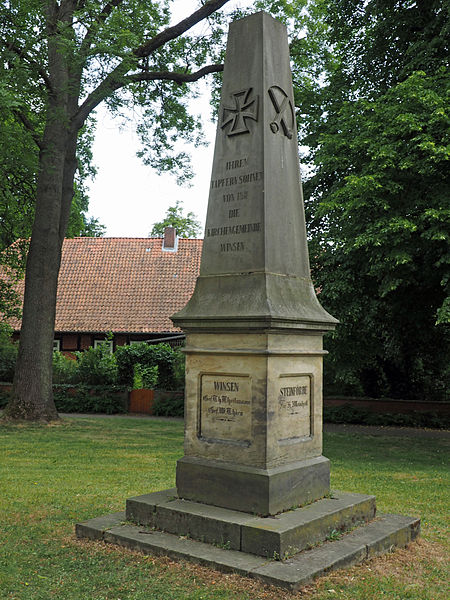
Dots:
{"x": 254, "y": 326}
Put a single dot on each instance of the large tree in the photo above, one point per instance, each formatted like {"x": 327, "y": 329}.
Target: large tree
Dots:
{"x": 69, "y": 56}
{"x": 19, "y": 159}
{"x": 377, "y": 196}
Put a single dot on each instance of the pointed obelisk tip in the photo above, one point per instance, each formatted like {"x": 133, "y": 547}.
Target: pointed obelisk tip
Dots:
{"x": 255, "y": 269}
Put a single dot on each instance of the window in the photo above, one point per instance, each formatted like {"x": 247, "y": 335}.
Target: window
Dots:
{"x": 108, "y": 343}
{"x": 56, "y": 345}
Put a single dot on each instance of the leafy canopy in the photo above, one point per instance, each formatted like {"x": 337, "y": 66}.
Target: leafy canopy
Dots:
{"x": 373, "y": 112}
{"x": 187, "y": 225}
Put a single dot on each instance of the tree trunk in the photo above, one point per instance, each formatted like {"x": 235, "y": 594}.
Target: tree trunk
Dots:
{"x": 32, "y": 397}
{"x": 32, "y": 390}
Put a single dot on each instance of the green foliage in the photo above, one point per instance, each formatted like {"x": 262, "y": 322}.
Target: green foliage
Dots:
{"x": 377, "y": 190}
{"x": 82, "y": 398}
{"x": 179, "y": 370}
{"x": 145, "y": 377}
{"x": 105, "y": 44}
{"x": 350, "y": 414}
{"x": 161, "y": 355}
{"x": 19, "y": 158}
{"x": 8, "y": 356}
{"x": 381, "y": 240}
{"x": 58, "y": 62}
{"x": 186, "y": 226}
{"x": 135, "y": 367}
{"x": 97, "y": 366}
{"x": 168, "y": 404}
{"x": 12, "y": 267}
{"x": 65, "y": 370}
{"x": 4, "y": 398}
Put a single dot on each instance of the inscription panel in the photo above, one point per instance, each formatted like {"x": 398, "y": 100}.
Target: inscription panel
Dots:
{"x": 294, "y": 407}
{"x": 234, "y": 233}
{"x": 226, "y": 408}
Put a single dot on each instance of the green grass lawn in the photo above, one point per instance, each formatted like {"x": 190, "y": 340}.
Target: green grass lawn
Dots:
{"x": 53, "y": 476}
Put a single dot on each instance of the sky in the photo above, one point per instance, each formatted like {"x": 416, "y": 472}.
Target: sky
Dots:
{"x": 128, "y": 197}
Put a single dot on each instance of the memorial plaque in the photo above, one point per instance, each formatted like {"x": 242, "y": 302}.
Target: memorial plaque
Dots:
{"x": 226, "y": 407}
{"x": 294, "y": 407}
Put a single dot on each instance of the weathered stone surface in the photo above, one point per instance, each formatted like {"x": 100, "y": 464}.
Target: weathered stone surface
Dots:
{"x": 281, "y": 426}
{"x": 182, "y": 548}
{"x": 293, "y": 531}
{"x": 353, "y": 548}
{"x": 292, "y": 574}
{"x": 202, "y": 522}
{"x": 141, "y": 509}
{"x": 265, "y": 423}
{"x": 389, "y": 532}
{"x": 308, "y": 565}
{"x": 255, "y": 268}
{"x": 95, "y": 528}
{"x": 254, "y": 402}
{"x": 284, "y": 534}
{"x": 258, "y": 491}
{"x": 253, "y": 419}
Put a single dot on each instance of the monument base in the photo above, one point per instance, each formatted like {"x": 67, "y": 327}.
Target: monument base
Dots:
{"x": 288, "y": 550}
{"x": 253, "y": 490}
{"x": 284, "y": 535}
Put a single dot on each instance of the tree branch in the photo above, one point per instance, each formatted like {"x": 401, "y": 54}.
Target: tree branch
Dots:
{"x": 173, "y": 32}
{"x": 94, "y": 100}
{"x": 101, "y": 18}
{"x": 22, "y": 54}
{"x": 28, "y": 125}
{"x": 117, "y": 78}
{"x": 179, "y": 78}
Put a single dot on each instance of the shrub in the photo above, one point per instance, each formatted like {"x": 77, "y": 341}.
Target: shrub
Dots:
{"x": 179, "y": 364}
{"x": 145, "y": 377}
{"x": 97, "y": 366}
{"x": 161, "y": 355}
{"x": 4, "y": 398}
{"x": 168, "y": 404}
{"x": 8, "y": 356}
{"x": 65, "y": 370}
{"x": 356, "y": 415}
{"x": 81, "y": 398}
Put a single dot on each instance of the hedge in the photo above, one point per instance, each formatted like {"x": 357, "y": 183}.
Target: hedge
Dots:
{"x": 347, "y": 413}
{"x": 109, "y": 399}
{"x": 168, "y": 404}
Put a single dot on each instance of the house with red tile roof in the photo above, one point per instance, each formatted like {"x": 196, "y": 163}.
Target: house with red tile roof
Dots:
{"x": 127, "y": 286}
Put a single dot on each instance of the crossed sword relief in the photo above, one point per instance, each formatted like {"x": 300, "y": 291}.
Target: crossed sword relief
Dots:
{"x": 246, "y": 107}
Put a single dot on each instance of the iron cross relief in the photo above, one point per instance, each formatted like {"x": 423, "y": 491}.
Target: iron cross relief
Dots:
{"x": 245, "y": 107}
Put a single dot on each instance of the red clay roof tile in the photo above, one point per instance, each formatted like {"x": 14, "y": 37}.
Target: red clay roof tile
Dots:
{"x": 127, "y": 285}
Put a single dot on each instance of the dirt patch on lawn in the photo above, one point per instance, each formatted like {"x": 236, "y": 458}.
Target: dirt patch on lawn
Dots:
{"x": 408, "y": 566}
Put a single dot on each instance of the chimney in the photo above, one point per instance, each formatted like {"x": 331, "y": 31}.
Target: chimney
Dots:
{"x": 170, "y": 240}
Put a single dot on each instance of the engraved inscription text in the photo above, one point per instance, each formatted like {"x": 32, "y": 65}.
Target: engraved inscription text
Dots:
{"x": 294, "y": 406}
{"x": 225, "y": 412}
